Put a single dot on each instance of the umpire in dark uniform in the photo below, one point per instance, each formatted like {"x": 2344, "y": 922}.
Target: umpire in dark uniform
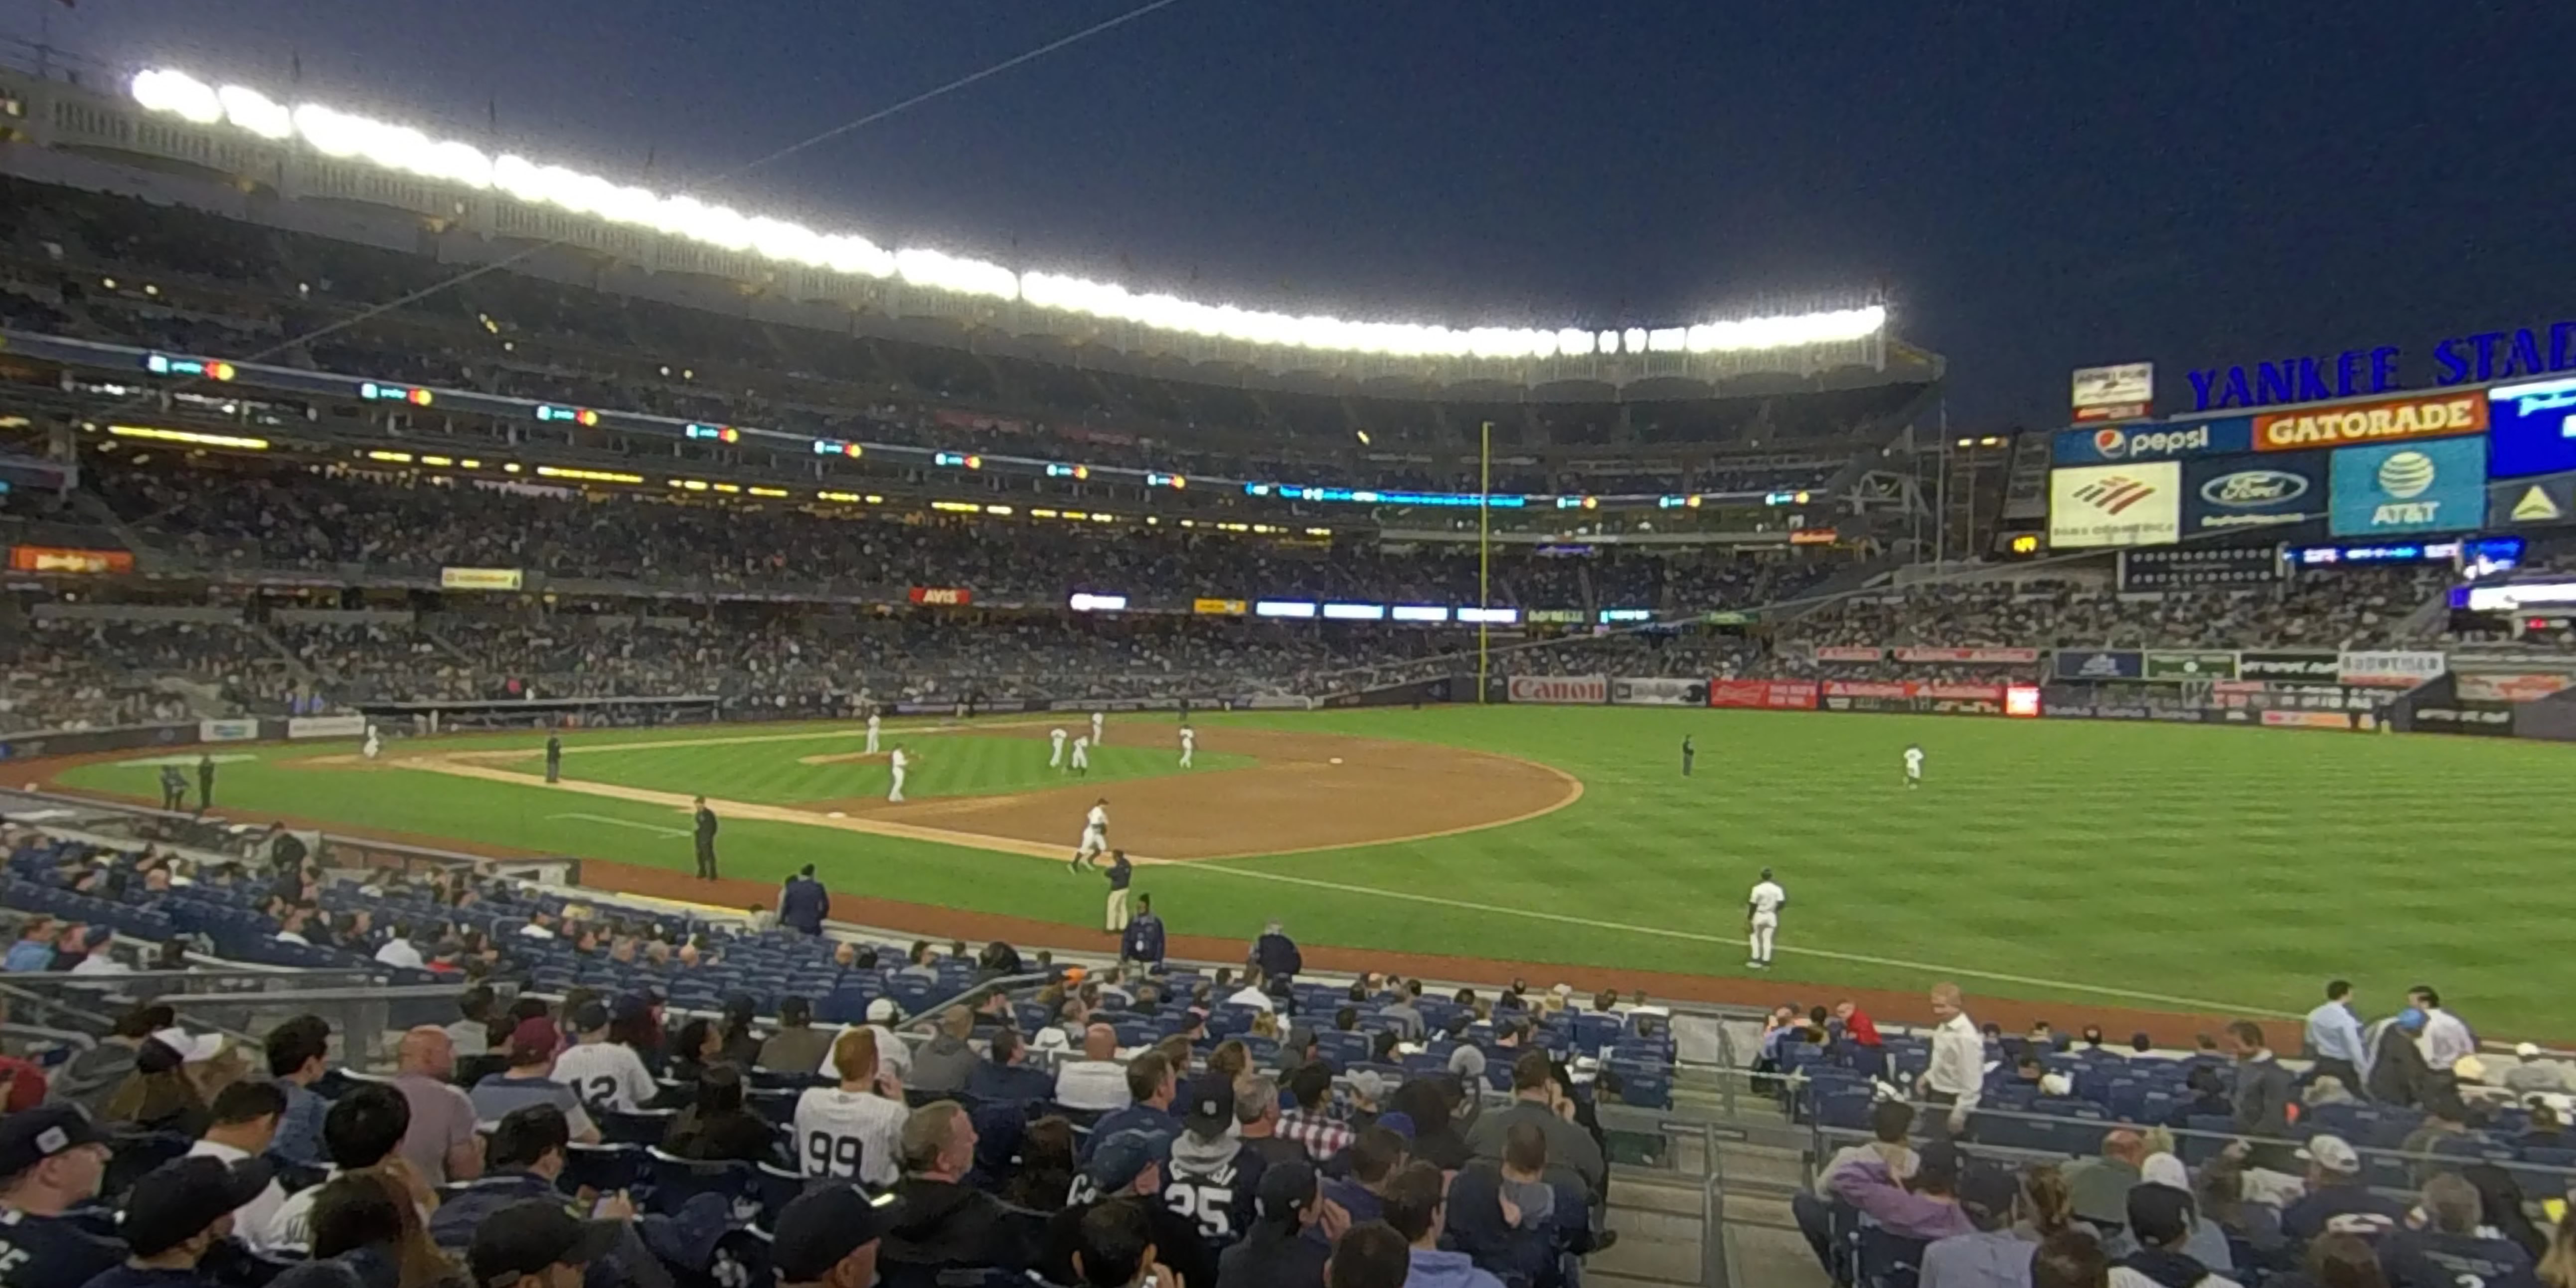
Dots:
{"x": 706, "y": 841}
{"x": 554, "y": 762}
{"x": 205, "y": 781}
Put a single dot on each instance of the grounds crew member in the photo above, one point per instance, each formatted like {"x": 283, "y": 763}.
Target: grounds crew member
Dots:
{"x": 706, "y": 841}
{"x": 205, "y": 781}
{"x": 554, "y": 758}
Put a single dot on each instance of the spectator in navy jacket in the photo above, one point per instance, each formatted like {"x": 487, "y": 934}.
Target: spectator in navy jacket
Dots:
{"x": 1144, "y": 939}
{"x": 804, "y": 904}
{"x": 1276, "y": 954}
{"x": 1005, "y": 1077}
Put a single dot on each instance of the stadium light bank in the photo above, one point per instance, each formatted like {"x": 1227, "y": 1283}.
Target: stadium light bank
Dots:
{"x": 342, "y": 135}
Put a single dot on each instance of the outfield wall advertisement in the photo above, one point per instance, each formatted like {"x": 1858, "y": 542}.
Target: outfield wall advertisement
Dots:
{"x": 1561, "y": 690}
{"x": 1659, "y": 693}
{"x": 2230, "y": 494}
{"x": 1763, "y": 695}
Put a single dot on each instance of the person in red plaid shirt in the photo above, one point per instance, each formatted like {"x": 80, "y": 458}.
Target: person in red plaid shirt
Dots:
{"x": 1311, "y": 1123}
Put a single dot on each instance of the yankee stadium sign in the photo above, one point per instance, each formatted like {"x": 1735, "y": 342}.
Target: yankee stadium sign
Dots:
{"x": 2355, "y": 373}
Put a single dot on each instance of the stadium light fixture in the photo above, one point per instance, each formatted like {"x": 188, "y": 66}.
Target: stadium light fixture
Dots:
{"x": 402, "y": 148}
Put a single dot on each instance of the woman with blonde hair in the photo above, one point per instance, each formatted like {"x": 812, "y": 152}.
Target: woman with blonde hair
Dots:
{"x": 854, "y": 1129}
{"x": 2047, "y": 1205}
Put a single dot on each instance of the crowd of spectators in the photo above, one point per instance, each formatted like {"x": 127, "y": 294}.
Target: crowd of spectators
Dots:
{"x": 1051, "y": 1123}
{"x": 2338, "y": 609}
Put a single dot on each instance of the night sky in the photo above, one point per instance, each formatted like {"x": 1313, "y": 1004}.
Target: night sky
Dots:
{"x": 2035, "y": 185}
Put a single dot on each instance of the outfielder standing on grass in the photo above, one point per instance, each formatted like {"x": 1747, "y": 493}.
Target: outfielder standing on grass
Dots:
{"x": 1762, "y": 916}
{"x": 1688, "y": 751}
{"x": 554, "y": 758}
{"x": 1120, "y": 872}
{"x": 876, "y": 723}
{"x": 1081, "y": 764}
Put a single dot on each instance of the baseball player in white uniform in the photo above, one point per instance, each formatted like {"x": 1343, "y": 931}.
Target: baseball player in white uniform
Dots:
{"x": 1081, "y": 763}
{"x": 1913, "y": 766}
{"x": 875, "y": 721}
{"x": 1095, "y": 835}
{"x": 1762, "y": 918}
{"x": 1055, "y": 748}
{"x": 375, "y": 745}
{"x": 1099, "y": 729}
{"x": 898, "y": 763}
{"x": 1189, "y": 744}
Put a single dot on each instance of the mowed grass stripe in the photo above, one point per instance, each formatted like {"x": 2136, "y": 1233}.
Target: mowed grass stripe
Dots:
{"x": 2236, "y": 864}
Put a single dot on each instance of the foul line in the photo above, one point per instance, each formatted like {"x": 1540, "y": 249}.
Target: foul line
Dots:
{"x": 623, "y": 822}
{"x": 2194, "y": 1003}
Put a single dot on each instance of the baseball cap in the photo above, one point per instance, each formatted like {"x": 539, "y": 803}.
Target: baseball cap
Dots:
{"x": 31, "y": 1136}
{"x": 2410, "y": 1018}
{"x": 883, "y": 1011}
{"x": 534, "y": 1039}
{"x": 2332, "y": 1153}
{"x": 525, "y": 1238}
{"x": 1399, "y": 1123}
{"x": 2159, "y": 1214}
{"x": 1284, "y": 1188}
{"x": 1117, "y": 1161}
{"x": 589, "y": 1017}
{"x": 1937, "y": 1161}
{"x": 633, "y": 1006}
{"x": 822, "y": 1228}
{"x": 1211, "y": 1106}
{"x": 191, "y": 1047}
{"x": 1988, "y": 1192}
{"x": 2526, "y": 1050}
{"x": 176, "y": 1201}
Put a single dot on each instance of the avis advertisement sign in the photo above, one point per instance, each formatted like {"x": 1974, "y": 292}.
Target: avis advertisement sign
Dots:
{"x": 2123, "y": 392}
{"x": 1848, "y": 653}
{"x": 2225, "y": 436}
{"x": 1763, "y": 695}
{"x": 1561, "y": 690}
{"x": 1658, "y": 693}
{"x": 2434, "y": 486}
{"x": 2236, "y": 493}
{"x": 1977, "y": 656}
{"x": 2115, "y": 505}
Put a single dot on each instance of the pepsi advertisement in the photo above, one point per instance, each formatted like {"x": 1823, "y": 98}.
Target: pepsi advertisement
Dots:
{"x": 2438, "y": 485}
{"x": 2114, "y": 444}
{"x": 2531, "y": 428}
{"x": 2252, "y": 493}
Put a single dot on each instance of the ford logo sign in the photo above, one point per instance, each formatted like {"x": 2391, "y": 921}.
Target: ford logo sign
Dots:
{"x": 2247, "y": 488}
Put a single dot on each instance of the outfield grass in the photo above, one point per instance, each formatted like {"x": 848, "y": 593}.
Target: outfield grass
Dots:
{"x": 2154, "y": 865}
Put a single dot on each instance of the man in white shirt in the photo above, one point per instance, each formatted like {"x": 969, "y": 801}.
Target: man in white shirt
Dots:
{"x": 1913, "y": 766}
{"x": 1189, "y": 745}
{"x": 892, "y": 1052}
{"x": 1762, "y": 918}
{"x": 1055, "y": 748}
{"x": 399, "y": 951}
{"x": 1099, "y": 728}
{"x": 1957, "y": 1074}
{"x": 875, "y": 722}
{"x": 604, "y": 1074}
{"x": 2446, "y": 1038}
{"x": 1097, "y": 1081}
{"x": 290, "y": 928}
{"x": 1251, "y": 994}
{"x": 245, "y": 1120}
{"x": 1081, "y": 762}
{"x": 540, "y": 926}
{"x": 854, "y": 1129}
{"x": 897, "y": 764}
{"x": 98, "y": 961}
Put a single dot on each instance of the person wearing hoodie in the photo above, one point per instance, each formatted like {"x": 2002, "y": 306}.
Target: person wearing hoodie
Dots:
{"x": 1428, "y": 1101}
{"x": 945, "y": 1063}
{"x": 1416, "y": 1203}
{"x": 941, "y": 1223}
{"x": 2160, "y": 1220}
{"x": 2398, "y": 1073}
{"x": 1213, "y": 1176}
{"x": 1289, "y": 1201}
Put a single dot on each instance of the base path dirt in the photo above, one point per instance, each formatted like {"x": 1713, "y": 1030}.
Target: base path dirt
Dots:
{"x": 1310, "y": 791}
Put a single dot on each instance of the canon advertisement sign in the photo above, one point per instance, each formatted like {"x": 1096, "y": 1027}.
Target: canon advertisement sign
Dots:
{"x": 1561, "y": 690}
